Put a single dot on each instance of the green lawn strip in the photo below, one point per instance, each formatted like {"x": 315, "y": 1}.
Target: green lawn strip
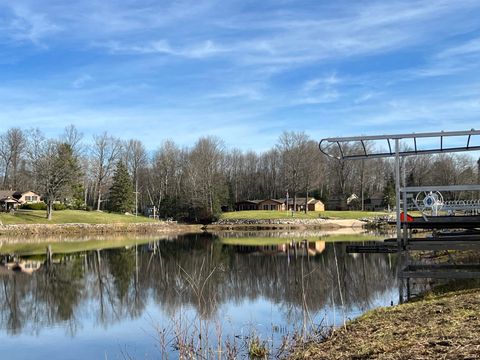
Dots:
{"x": 261, "y": 241}
{"x": 266, "y": 214}
{"x": 442, "y": 325}
{"x": 66, "y": 247}
{"x": 69, "y": 216}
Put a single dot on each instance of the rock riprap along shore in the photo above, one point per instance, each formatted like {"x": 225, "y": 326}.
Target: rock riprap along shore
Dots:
{"x": 320, "y": 222}
{"x": 26, "y": 229}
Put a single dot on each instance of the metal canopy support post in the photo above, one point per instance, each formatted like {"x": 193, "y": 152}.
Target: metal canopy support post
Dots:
{"x": 397, "y": 188}
{"x": 398, "y": 222}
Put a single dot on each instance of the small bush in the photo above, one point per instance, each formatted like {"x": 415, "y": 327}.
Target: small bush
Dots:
{"x": 34, "y": 206}
{"x": 42, "y": 206}
{"x": 58, "y": 207}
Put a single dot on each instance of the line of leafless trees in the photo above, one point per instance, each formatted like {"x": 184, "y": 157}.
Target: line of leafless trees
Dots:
{"x": 199, "y": 181}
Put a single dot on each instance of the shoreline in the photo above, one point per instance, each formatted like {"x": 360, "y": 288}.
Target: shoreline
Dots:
{"x": 448, "y": 330}
{"x": 83, "y": 228}
{"x": 279, "y": 224}
{"x": 450, "y": 322}
{"x": 164, "y": 227}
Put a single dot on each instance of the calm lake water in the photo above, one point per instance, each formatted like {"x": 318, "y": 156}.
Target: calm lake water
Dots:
{"x": 143, "y": 300}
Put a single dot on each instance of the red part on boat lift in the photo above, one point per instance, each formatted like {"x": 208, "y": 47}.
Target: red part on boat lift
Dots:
{"x": 402, "y": 217}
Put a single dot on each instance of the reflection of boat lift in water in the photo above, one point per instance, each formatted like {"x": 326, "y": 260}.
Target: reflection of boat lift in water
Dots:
{"x": 436, "y": 213}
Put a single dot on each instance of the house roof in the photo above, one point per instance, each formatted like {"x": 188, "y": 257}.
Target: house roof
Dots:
{"x": 301, "y": 200}
{"x": 249, "y": 202}
{"x": 6, "y": 193}
{"x": 30, "y": 191}
{"x": 274, "y": 200}
{"x": 9, "y": 200}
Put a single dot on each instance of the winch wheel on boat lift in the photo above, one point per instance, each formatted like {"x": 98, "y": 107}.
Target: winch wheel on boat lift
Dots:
{"x": 429, "y": 201}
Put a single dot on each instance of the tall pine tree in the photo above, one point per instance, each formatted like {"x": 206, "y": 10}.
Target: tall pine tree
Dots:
{"x": 121, "y": 196}
{"x": 389, "y": 193}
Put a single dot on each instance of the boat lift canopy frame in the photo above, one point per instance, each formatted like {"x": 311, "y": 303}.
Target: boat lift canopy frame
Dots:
{"x": 364, "y": 153}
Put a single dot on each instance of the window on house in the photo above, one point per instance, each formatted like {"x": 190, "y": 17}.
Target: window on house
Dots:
{"x": 28, "y": 198}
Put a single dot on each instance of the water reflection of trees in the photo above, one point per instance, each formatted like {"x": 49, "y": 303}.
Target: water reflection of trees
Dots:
{"x": 196, "y": 272}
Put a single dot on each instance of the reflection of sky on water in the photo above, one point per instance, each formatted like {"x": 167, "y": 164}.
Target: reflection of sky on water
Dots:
{"x": 253, "y": 290}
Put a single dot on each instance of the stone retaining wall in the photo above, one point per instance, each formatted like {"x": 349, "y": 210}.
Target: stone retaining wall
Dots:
{"x": 270, "y": 222}
{"x": 50, "y": 229}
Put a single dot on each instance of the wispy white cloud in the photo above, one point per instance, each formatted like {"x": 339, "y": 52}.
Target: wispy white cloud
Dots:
{"x": 244, "y": 91}
{"x": 322, "y": 98}
{"x": 80, "y": 81}
{"x": 201, "y": 50}
{"x": 471, "y": 47}
{"x": 365, "y": 97}
{"x": 326, "y": 81}
{"x": 27, "y": 25}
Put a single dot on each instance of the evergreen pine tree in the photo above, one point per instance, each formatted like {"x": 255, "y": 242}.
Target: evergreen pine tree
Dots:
{"x": 389, "y": 193}
{"x": 121, "y": 195}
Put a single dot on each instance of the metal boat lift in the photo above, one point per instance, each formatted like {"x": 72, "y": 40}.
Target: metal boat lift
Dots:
{"x": 399, "y": 146}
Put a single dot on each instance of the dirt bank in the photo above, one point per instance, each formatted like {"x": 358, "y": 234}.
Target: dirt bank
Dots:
{"x": 444, "y": 326}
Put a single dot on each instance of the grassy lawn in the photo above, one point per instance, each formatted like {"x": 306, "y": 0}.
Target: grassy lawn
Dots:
{"x": 68, "y": 216}
{"x": 266, "y": 214}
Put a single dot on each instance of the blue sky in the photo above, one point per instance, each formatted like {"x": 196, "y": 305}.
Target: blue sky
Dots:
{"x": 242, "y": 70}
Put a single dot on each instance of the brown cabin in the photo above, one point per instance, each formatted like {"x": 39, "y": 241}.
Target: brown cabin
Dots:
{"x": 280, "y": 204}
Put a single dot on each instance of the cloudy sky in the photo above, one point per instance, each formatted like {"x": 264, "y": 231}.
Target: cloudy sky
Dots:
{"x": 242, "y": 70}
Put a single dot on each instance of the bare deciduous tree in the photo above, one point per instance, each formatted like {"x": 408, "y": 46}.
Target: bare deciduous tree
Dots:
{"x": 135, "y": 157}
{"x": 105, "y": 153}
{"x": 293, "y": 148}
{"x": 12, "y": 147}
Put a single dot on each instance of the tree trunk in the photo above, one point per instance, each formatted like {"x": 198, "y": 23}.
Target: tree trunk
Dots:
{"x": 99, "y": 198}
{"x": 85, "y": 193}
{"x": 362, "y": 180}
{"x": 5, "y": 176}
{"x": 49, "y": 209}
{"x": 306, "y": 200}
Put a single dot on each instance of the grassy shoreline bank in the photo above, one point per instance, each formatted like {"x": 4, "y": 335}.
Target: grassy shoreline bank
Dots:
{"x": 443, "y": 322}
{"x": 442, "y": 325}
{"x": 270, "y": 214}
{"x": 27, "y": 222}
{"x": 70, "y": 217}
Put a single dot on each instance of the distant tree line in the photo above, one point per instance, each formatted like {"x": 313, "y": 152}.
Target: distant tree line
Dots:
{"x": 196, "y": 183}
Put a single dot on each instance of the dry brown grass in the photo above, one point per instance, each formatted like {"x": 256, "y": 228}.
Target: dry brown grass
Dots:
{"x": 445, "y": 326}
